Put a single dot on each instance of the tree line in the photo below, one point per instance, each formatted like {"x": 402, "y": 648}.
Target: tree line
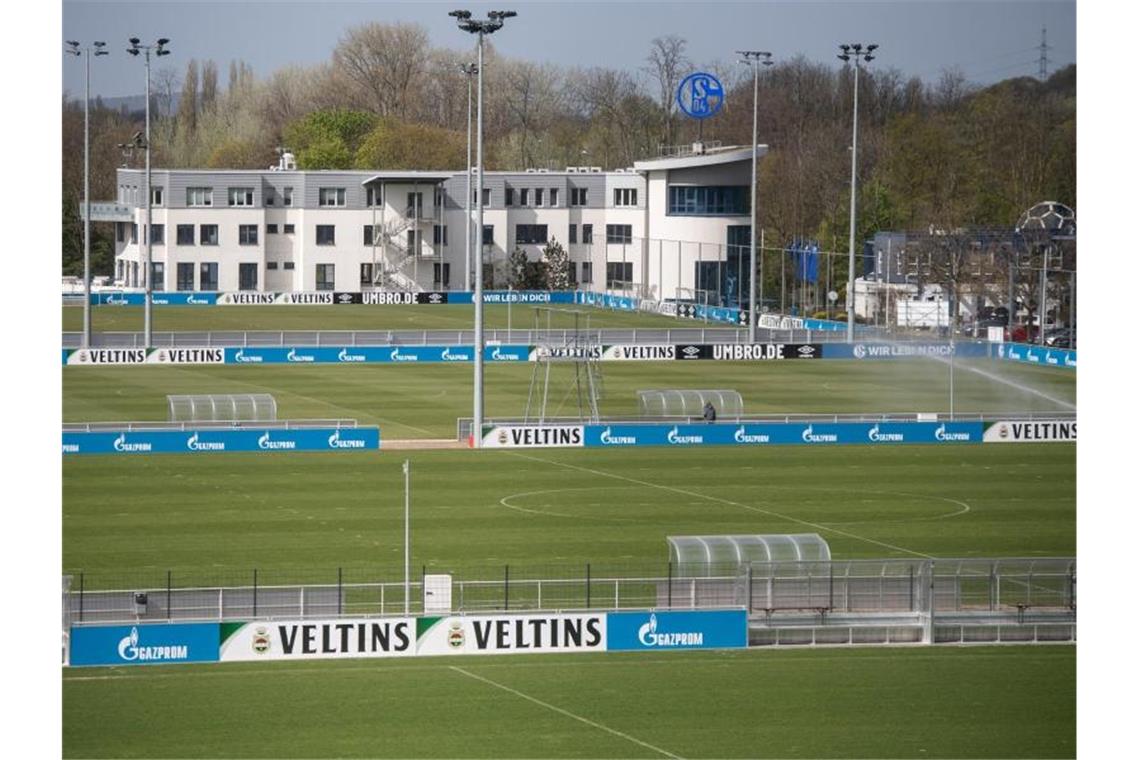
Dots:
{"x": 939, "y": 156}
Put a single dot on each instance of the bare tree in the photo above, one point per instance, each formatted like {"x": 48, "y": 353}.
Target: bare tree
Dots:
{"x": 209, "y": 85}
{"x": 163, "y": 85}
{"x": 188, "y": 101}
{"x": 667, "y": 62}
{"x": 384, "y": 61}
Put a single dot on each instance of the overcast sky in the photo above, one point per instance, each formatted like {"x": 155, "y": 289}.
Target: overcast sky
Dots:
{"x": 988, "y": 41}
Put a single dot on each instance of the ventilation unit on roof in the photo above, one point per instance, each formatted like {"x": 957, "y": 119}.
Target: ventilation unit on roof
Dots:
{"x": 571, "y": 169}
{"x": 530, "y": 171}
{"x": 595, "y": 170}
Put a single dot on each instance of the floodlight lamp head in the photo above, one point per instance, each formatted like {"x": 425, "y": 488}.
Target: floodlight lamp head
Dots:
{"x": 134, "y": 40}
{"x": 73, "y": 43}
{"x": 98, "y": 44}
{"x": 844, "y": 57}
{"x": 868, "y": 58}
{"x": 502, "y": 14}
{"x": 101, "y": 52}
{"x": 460, "y": 14}
{"x": 872, "y": 47}
{"x": 844, "y": 48}
{"x": 857, "y": 47}
{"x": 161, "y": 51}
{"x": 163, "y": 41}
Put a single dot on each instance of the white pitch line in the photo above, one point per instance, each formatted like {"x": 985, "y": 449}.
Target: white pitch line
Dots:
{"x": 567, "y": 713}
{"x": 699, "y": 495}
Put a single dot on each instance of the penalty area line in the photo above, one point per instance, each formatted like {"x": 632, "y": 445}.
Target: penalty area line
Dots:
{"x": 699, "y": 495}
{"x": 567, "y": 713}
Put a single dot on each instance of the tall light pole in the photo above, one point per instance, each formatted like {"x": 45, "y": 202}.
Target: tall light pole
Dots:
{"x": 74, "y": 49}
{"x": 159, "y": 49}
{"x": 470, "y": 69}
{"x": 855, "y": 52}
{"x": 754, "y": 58}
{"x": 490, "y": 25}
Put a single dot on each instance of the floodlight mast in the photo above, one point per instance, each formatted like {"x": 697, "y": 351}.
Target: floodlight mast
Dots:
{"x": 470, "y": 69}
{"x": 854, "y": 51}
{"x": 491, "y": 24}
{"x": 159, "y": 48}
{"x": 752, "y": 58}
{"x": 74, "y": 49}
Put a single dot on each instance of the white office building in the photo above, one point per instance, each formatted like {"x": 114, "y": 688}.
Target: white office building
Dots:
{"x": 662, "y": 229}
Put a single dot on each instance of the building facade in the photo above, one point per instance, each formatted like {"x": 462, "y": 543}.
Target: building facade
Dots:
{"x": 665, "y": 228}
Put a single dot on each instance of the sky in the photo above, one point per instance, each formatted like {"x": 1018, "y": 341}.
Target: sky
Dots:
{"x": 987, "y": 41}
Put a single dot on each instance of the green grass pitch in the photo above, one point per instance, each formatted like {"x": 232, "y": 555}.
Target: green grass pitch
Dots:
{"x": 214, "y": 518}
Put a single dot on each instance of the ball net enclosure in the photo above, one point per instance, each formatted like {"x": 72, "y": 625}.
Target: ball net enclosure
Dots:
{"x": 235, "y": 407}
{"x": 689, "y": 403}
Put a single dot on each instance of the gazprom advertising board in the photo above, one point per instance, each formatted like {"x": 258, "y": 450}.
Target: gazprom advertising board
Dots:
{"x": 658, "y": 630}
{"x": 223, "y": 440}
{"x": 144, "y": 644}
{"x": 1045, "y": 356}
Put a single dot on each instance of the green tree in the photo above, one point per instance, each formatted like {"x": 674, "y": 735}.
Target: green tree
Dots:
{"x": 556, "y": 266}
{"x": 517, "y": 269}
{"x": 394, "y": 144}
{"x": 328, "y": 139}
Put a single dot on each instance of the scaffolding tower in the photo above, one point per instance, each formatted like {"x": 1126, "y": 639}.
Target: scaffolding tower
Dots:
{"x": 567, "y": 368}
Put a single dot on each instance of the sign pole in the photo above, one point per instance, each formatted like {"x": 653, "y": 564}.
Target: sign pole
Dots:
{"x": 407, "y": 535}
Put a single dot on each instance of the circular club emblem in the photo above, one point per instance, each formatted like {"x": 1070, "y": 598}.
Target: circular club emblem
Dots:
{"x": 502, "y": 437}
{"x": 700, "y": 95}
{"x": 455, "y": 637}
{"x": 261, "y": 641}
{"x": 1003, "y": 431}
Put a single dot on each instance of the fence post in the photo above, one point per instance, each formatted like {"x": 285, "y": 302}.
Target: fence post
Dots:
{"x": 81, "y": 597}
{"x": 255, "y": 592}
{"x": 506, "y": 587}
{"x": 339, "y": 591}
{"x": 749, "y": 588}
{"x": 587, "y": 585}
{"x": 168, "y": 613}
{"x": 669, "y": 585}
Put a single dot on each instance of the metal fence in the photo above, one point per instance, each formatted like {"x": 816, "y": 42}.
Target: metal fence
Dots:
{"x": 817, "y": 602}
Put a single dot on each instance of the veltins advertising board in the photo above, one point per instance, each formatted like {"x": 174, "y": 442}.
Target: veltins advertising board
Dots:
{"x": 1029, "y": 431}
{"x": 508, "y": 634}
{"x": 533, "y": 436}
{"x": 318, "y": 639}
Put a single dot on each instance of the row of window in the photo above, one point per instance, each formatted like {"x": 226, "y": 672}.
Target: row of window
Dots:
{"x": 334, "y": 197}
{"x": 708, "y": 201}
{"x": 525, "y": 234}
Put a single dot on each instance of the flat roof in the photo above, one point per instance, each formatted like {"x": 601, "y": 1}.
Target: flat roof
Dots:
{"x": 712, "y": 157}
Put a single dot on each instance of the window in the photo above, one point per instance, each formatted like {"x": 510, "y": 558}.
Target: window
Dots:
{"x": 289, "y": 229}
{"x": 247, "y": 234}
{"x": 271, "y": 229}
{"x": 370, "y": 234}
{"x": 554, "y": 196}
{"x": 325, "y": 276}
{"x": 573, "y": 272}
{"x": 625, "y": 196}
{"x": 271, "y": 266}
{"x": 415, "y": 204}
{"x": 366, "y": 274}
{"x": 687, "y": 200}
{"x": 207, "y": 234}
{"x": 287, "y": 197}
{"x": 326, "y": 234}
{"x": 488, "y": 234}
{"x": 120, "y": 231}
{"x": 185, "y": 234}
{"x": 207, "y": 276}
{"x": 619, "y": 233}
{"x": 487, "y": 197}
{"x": 156, "y": 196}
{"x": 415, "y": 241}
{"x": 241, "y": 196}
{"x": 524, "y": 197}
{"x": 442, "y": 276}
{"x": 288, "y": 266}
{"x": 268, "y": 199}
{"x": 587, "y": 236}
{"x": 158, "y": 275}
{"x": 439, "y": 234}
{"x": 247, "y": 276}
{"x": 577, "y": 196}
{"x": 587, "y": 272}
{"x": 199, "y": 196}
{"x": 573, "y": 233}
{"x": 330, "y": 196}
{"x": 185, "y": 276}
{"x": 372, "y": 196}
{"x": 134, "y": 233}
{"x": 530, "y": 233}
{"x": 538, "y": 196}
{"x": 618, "y": 273}
{"x": 510, "y": 193}
{"x": 158, "y": 234}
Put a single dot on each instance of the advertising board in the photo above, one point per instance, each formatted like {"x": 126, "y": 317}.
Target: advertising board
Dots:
{"x": 533, "y": 436}
{"x": 221, "y": 440}
{"x": 511, "y": 634}
{"x": 144, "y": 644}
{"x": 662, "y": 630}
{"x": 1029, "y": 431}
{"x": 317, "y": 639}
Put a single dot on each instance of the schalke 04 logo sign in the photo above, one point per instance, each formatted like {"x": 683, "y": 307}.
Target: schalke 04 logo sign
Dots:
{"x": 700, "y": 95}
